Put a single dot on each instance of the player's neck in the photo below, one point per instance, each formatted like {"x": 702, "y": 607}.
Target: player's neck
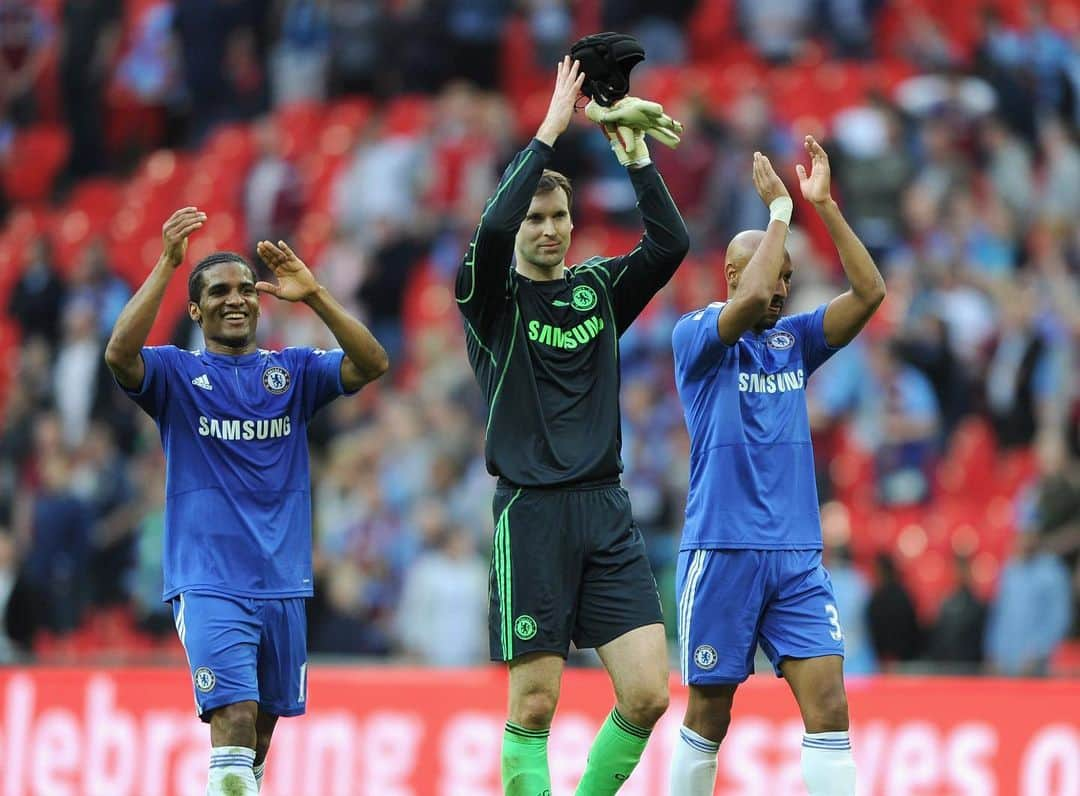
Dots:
{"x": 218, "y": 347}
{"x": 540, "y": 274}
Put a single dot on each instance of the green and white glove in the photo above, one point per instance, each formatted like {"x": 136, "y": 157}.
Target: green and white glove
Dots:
{"x": 638, "y": 114}
{"x": 628, "y": 145}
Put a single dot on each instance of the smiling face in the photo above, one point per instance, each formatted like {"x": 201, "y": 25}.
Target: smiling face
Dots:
{"x": 227, "y": 309}
{"x": 544, "y": 236}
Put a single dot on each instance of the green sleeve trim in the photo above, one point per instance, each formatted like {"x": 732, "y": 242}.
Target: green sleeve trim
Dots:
{"x": 470, "y": 262}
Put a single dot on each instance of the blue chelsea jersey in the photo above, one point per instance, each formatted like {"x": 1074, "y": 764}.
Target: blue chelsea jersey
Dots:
{"x": 237, "y": 478}
{"x": 751, "y": 461}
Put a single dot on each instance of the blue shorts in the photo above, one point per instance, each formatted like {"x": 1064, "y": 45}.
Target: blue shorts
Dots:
{"x": 241, "y": 649}
{"x": 732, "y": 600}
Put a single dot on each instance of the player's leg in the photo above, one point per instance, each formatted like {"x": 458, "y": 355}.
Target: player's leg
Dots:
{"x": 535, "y": 572}
{"x": 619, "y": 614}
{"x": 801, "y": 633}
{"x": 282, "y": 670}
{"x": 721, "y": 594}
{"x": 827, "y": 764}
{"x": 264, "y": 730}
{"x": 637, "y": 664}
{"x": 220, "y": 636}
{"x": 534, "y": 693}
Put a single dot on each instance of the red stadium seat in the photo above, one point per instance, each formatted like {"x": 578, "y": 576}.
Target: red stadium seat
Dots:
{"x": 37, "y": 156}
{"x": 299, "y": 126}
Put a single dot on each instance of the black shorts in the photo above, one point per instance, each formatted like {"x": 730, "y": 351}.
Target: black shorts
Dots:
{"x": 566, "y": 565}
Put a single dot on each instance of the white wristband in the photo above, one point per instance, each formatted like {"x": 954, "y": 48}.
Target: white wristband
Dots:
{"x": 780, "y": 209}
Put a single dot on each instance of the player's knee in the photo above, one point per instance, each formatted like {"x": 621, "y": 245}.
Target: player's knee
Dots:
{"x": 829, "y": 713}
{"x": 709, "y": 717}
{"x": 645, "y": 706}
{"x": 535, "y": 709}
{"x": 235, "y": 724}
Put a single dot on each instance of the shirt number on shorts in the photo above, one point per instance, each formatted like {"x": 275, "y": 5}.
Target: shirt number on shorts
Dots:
{"x": 834, "y": 620}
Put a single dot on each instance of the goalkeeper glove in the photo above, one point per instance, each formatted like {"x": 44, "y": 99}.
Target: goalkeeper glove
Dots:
{"x": 628, "y": 145}
{"x": 638, "y": 114}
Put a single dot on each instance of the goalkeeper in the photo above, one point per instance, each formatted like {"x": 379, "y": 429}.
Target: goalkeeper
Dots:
{"x": 568, "y": 562}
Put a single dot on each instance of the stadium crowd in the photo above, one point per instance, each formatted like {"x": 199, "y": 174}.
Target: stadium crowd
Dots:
{"x": 956, "y": 157}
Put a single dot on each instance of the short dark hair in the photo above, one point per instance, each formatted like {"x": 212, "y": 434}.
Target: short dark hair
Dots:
{"x": 552, "y": 180}
{"x": 196, "y": 279}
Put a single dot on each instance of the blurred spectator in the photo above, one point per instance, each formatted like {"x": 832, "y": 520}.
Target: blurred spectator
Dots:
{"x": 777, "y": 29}
{"x": 1009, "y": 167}
{"x": 850, "y": 26}
{"x": 146, "y": 93}
{"x": 221, "y": 43}
{"x": 273, "y": 199}
{"x": 99, "y": 478}
{"x": 38, "y": 296}
{"x": 1059, "y": 201}
{"x": 57, "y": 542}
{"x": 1031, "y": 612}
{"x": 872, "y": 168}
{"x": 81, "y": 383}
{"x": 956, "y": 638}
{"x": 88, "y": 47}
{"x": 852, "y": 592}
{"x": 1050, "y": 506}
{"x": 300, "y": 59}
{"x": 924, "y": 344}
{"x": 147, "y": 581}
{"x": 894, "y": 626}
{"x": 93, "y": 282}
{"x": 1023, "y": 374}
{"x": 25, "y": 43}
{"x": 342, "y": 617}
{"x": 358, "y": 45}
{"x": 474, "y": 31}
{"x": 551, "y": 24}
{"x": 8, "y": 576}
{"x": 897, "y": 420}
{"x": 660, "y": 27}
{"x": 441, "y": 617}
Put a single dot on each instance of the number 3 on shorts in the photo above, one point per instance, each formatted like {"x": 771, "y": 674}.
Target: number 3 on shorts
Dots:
{"x": 834, "y": 620}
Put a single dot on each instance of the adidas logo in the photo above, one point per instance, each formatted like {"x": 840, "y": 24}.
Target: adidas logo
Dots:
{"x": 202, "y": 381}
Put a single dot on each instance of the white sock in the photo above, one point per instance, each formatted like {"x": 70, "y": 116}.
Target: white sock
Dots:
{"x": 231, "y": 772}
{"x": 693, "y": 765}
{"x": 828, "y": 768}
{"x": 259, "y": 771}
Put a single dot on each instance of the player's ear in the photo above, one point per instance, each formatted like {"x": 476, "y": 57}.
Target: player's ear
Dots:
{"x": 194, "y": 312}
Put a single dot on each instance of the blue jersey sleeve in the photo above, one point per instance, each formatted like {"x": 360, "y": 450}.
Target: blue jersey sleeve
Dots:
{"x": 322, "y": 377}
{"x": 696, "y": 342}
{"x": 152, "y": 393}
{"x": 809, "y": 329}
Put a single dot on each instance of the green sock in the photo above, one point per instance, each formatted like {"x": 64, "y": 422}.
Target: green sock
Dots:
{"x": 524, "y": 762}
{"x": 613, "y": 756}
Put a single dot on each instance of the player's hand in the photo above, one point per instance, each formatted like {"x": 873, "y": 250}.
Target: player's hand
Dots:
{"x": 568, "y": 82}
{"x": 175, "y": 232}
{"x": 633, "y": 113}
{"x": 295, "y": 282}
{"x": 766, "y": 181}
{"x": 815, "y": 188}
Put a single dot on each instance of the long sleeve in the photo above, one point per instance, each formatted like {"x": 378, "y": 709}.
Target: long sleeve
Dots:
{"x": 483, "y": 278}
{"x": 636, "y": 277}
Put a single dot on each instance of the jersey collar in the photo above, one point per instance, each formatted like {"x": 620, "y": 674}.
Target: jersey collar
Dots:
{"x": 229, "y": 359}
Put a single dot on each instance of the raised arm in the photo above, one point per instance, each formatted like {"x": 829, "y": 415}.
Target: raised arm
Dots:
{"x": 757, "y": 282}
{"x": 639, "y": 275}
{"x": 483, "y": 272}
{"x": 847, "y": 313}
{"x": 123, "y": 353}
{"x": 365, "y": 359}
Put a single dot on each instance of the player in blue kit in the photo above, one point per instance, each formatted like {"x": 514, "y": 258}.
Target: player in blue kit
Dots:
{"x": 233, "y": 420}
{"x": 750, "y": 568}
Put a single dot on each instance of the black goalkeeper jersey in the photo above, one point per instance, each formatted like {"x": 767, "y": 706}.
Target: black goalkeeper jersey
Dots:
{"x": 546, "y": 354}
